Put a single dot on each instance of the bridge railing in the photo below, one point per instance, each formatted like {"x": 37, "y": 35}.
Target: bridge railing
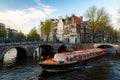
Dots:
{"x": 39, "y": 42}
{"x": 18, "y": 43}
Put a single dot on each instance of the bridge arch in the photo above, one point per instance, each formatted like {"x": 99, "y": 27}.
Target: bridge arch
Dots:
{"x": 21, "y": 52}
{"x": 105, "y": 46}
{"x": 109, "y": 48}
{"x": 62, "y": 48}
{"x": 47, "y": 51}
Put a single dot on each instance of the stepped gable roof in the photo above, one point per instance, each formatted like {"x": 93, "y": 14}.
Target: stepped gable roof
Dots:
{"x": 77, "y": 19}
{"x": 69, "y": 20}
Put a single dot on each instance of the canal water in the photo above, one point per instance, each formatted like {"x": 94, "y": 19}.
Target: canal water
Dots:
{"x": 105, "y": 68}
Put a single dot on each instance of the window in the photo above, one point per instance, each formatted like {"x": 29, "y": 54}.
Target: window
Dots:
{"x": 72, "y": 30}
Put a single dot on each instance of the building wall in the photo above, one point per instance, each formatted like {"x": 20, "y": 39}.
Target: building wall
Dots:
{"x": 12, "y": 33}
{"x": 85, "y": 33}
{"x": 72, "y": 29}
{"x": 52, "y": 36}
{"x": 2, "y": 28}
{"x": 60, "y": 29}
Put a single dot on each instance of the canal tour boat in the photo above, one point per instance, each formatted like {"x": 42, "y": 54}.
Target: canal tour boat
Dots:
{"x": 65, "y": 60}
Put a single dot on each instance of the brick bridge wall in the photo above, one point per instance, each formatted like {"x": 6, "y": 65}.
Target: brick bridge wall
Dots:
{"x": 82, "y": 46}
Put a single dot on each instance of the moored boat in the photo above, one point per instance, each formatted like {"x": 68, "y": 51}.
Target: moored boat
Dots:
{"x": 66, "y": 60}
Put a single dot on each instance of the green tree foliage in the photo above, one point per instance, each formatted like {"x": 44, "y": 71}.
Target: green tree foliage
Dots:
{"x": 119, "y": 24}
{"x": 119, "y": 35}
{"x": 33, "y": 35}
{"x": 115, "y": 34}
{"x": 21, "y": 35}
{"x": 112, "y": 34}
{"x": 3, "y": 34}
{"x": 98, "y": 20}
{"x": 46, "y": 28}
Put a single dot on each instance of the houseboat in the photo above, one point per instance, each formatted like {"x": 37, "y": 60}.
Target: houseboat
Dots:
{"x": 67, "y": 60}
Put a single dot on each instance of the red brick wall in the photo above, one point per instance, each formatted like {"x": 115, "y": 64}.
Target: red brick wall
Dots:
{"x": 82, "y": 46}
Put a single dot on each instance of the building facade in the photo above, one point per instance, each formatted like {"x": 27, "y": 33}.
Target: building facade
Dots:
{"x": 53, "y": 36}
{"x": 72, "y": 29}
{"x": 2, "y": 26}
{"x": 85, "y": 31}
{"x": 2, "y": 31}
{"x": 12, "y": 33}
{"x": 60, "y": 29}
{"x": 56, "y": 34}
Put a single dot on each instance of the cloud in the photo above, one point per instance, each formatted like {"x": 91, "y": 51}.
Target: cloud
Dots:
{"x": 39, "y": 3}
{"x": 21, "y": 16}
{"x": 25, "y": 16}
{"x": 46, "y": 8}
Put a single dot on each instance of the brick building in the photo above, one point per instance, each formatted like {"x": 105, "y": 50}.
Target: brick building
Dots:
{"x": 72, "y": 29}
{"x": 69, "y": 30}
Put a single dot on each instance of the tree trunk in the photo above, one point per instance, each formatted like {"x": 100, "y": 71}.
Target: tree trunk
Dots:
{"x": 47, "y": 38}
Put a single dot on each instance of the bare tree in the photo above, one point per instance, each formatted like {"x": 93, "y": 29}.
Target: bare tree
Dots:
{"x": 98, "y": 20}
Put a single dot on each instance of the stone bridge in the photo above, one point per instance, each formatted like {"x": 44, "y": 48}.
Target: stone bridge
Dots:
{"x": 108, "y": 45}
{"x": 29, "y": 48}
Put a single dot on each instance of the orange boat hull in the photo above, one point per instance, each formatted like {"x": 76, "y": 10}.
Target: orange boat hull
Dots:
{"x": 63, "y": 66}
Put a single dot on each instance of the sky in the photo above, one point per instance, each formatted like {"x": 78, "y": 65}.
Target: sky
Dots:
{"x": 25, "y": 14}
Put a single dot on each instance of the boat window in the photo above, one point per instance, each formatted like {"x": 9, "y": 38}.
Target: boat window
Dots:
{"x": 84, "y": 55}
{"x": 77, "y": 58}
{"x": 93, "y": 53}
{"x": 90, "y": 54}
{"x": 98, "y": 53}
{"x": 73, "y": 57}
{"x": 70, "y": 59}
{"x": 60, "y": 58}
{"x": 80, "y": 57}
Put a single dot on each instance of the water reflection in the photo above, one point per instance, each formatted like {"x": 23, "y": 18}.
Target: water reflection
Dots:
{"x": 14, "y": 68}
{"x": 10, "y": 57}
{"x": 11, "y": 60}
{"x": 106, "y": 68}
{"x": 12, "y": 53}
